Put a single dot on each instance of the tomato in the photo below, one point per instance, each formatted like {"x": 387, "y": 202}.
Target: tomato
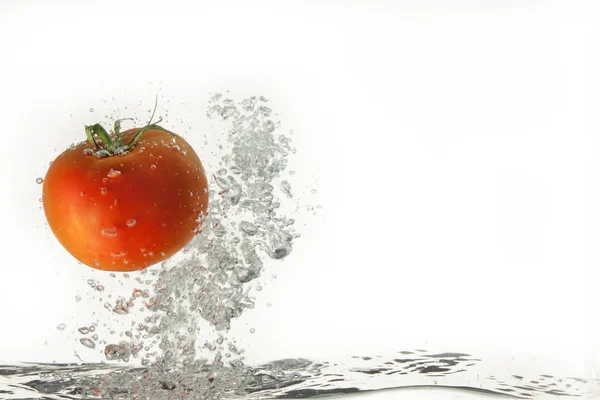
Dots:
{"x": 118, "y": 207}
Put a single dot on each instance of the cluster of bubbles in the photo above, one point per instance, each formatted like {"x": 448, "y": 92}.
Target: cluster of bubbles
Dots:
{"x": 210, "y": 281}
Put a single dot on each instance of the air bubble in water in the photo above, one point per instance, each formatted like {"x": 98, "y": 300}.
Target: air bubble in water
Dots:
{"x": 61, "y": 326}
{"x": 286, "y": 188}
{"x": 87, "y": 342}
{"x": 110, "y": 232}
{"x": 84, "y": 330}
{"x": 91, "y": 110}
{"x": 249, "y": 228}
{"x": 39, "y": 180}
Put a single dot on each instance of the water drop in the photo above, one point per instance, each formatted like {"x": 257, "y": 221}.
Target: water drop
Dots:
{"x": 61, "y": 326}
{"x": 103, "y": 190}
{"x": 248, "y": 228}
{"x": 84, "y": 330}
{"x": 252, "y": 330}
{"x": 286, "y": 188}
{"x": 91, "y": 110}
{"x": 110, "y": 232}
{"x": 78, "y": 298}
{"x": 87, "y": 342}
{"x": 153, "y": 167}
{"x": 313, "y": 191}
{"x": 87, "y": 151}
{"x": 100, "y": 288}
{"x": 113, "y": 173}
{"x": 131, "y": 222}
{"x": 39, "y": 180}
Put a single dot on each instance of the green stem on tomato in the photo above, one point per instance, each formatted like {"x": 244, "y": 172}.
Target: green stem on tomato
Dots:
{"x": 111, "y": 146}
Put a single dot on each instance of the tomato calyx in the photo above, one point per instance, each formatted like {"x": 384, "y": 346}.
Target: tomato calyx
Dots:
{"x": 115, "y": 145}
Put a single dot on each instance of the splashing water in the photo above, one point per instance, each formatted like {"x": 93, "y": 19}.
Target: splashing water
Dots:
{"x": 208, "y": 284}
{"x": 201, "y": 290}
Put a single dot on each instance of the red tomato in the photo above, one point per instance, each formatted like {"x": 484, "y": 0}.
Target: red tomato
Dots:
{"x": 129, "y": 209}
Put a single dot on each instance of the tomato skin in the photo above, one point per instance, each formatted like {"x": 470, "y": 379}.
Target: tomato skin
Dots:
{"x": 126, "y": 212}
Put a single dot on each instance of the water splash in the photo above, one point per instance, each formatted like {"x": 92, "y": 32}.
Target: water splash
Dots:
{"x": 287, "y": 378}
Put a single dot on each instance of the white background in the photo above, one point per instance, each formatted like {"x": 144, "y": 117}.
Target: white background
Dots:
{"x": 453, "y": 146}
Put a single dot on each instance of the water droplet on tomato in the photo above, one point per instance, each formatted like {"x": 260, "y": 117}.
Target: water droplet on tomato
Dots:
{"x": 87, "y": 151}
{"x": 113, "y": 173}
{"x": 131, "y": 222}
{"x": 162, "y": 253}
{"x": 61, "y": 326}
{"x": 87, "y": 342}
{"x": 153, "y": 167}
{"x": 103, "y": 190}
{"x": 126, "y": 261}
{"x": 111, "y": 232}
{"x": 39, "y": 180}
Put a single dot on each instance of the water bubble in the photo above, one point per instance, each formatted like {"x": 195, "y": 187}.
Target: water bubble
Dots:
{"x": 61, "y": 326}
{"x": 87, "y": 342}
{"x": 249, "y": 228}
{"x": 84, "y": 330}
{"x": 117, "y": 351}
{"x": 103, "y": 190}
{"x": 87, "y": 151}
{"x": 110, "y": 232}
{"x": 113, "y": 173}
{"x": 131, "y": 222}
{"x": 286, "y": 188}
{"x": 153, "y": 167}
{"x": 78, "y": 298}
{"x": 252, "y": 330}
{"x": 39, "y": 180}
{"x": 313, "y": 191}
{"x": 100, "y": 288}
{"x": 91, "y": 110}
